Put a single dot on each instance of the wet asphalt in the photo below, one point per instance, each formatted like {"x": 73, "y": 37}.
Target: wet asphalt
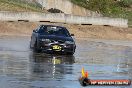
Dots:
{"x": 20, "y": 67}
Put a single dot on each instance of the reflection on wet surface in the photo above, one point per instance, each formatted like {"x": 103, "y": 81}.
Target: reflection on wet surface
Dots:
{"x": 50, "y": 67}
{"x": 22, "y": 68}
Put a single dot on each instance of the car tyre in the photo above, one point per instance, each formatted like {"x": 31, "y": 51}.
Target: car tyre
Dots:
{"x": 30, "y": 45}
{"x": 70, "y": 53}
{"x": 36, "y": 49}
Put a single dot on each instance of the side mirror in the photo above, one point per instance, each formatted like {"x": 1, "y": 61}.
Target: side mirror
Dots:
{"x": 72, "y": 34}
{"x": 34, "y": 30}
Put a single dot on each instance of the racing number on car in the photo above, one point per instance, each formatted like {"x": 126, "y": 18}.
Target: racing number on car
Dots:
{"x": 57, "y": 48}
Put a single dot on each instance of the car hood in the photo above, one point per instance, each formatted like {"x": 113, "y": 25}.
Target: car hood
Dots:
{"x": 54, "y": 37}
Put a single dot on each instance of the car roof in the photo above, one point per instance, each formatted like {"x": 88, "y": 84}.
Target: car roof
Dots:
{"x": 53, "y": 26}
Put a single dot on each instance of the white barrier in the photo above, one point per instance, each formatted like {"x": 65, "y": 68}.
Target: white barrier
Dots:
{"x": 62, "y": 18}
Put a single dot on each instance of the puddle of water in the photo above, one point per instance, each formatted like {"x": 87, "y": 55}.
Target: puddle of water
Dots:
{"x": 21, "y": 68}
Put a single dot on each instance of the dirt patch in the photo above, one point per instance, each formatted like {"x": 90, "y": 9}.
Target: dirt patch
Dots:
{"x": 80, "y": 31}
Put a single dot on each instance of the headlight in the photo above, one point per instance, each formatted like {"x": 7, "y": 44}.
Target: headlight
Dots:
{"x": 69, "y": 42}
{"x": 45, "y": 40}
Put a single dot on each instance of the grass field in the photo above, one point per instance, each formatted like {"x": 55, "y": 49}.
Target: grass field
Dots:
{"x": 110, "y": 8}
{"x": 19, "y": 5}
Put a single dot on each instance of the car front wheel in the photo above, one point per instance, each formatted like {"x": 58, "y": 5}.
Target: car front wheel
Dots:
{"x": 36, "y": 48}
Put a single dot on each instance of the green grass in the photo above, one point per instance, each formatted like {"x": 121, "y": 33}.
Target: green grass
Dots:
{"x": 110, "y": 8}
{"x": 19, "y": 5}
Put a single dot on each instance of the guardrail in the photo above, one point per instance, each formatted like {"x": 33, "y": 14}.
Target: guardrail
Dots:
{"x": 62, "y": 18}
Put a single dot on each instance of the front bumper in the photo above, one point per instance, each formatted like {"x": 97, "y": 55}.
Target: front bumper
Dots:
{"x": 57, "y": 47}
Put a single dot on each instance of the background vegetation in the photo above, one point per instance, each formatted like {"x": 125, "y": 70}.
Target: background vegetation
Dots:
{"x": 20, "y": 5}
{"x": 110, "y": 8}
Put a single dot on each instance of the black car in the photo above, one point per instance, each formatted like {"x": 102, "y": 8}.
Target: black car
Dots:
{"x": 50, "y": 39}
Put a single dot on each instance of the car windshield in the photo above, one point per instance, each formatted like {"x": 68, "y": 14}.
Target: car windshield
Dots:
{"x": 53, "y": 30}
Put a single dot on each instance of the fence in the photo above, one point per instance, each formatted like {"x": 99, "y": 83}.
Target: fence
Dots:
{"x": 62, "y": 18}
